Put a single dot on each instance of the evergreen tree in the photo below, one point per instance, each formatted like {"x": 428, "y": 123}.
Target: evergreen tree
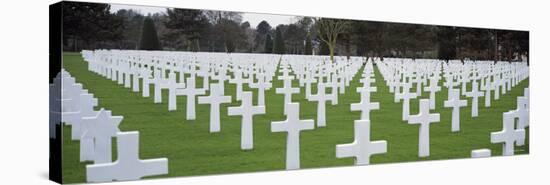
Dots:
{"x": 446, "y": 43}
{"x": 308, "y": 49}
{"x": 149, "y": 39}
{"x": 268, "y": 48}
{"x": 191, "y": 23}
{"x": 90, "y": 26}
{"x": 279, "y": 43}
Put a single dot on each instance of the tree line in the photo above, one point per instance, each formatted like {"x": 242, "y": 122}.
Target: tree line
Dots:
{"x": 93, "y": 26}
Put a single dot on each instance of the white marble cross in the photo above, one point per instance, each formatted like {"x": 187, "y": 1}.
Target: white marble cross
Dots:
{"x": 496, "y": 86}
{"x": 361, "y": 148}
{"x": 418, "y": 81}
{"x": 367, "y": 87}
{"x": 287, "y": 90}
{"x": 464, "y": 79}
{"x": 100, "y": 129}
{"x": 424, "y": 118}
{"x": 509, "y": 135}
{"x": 135, "y": 79}
{"x": 191, "y": 92}
{"x": 334, "y": 89}
{"x": 365, "y": 106}
{"x": 128, "y": 165}
{"x": 474, "y": 94}
{"x": 87, "y": 104}
{"x": 321, "y": 97}
{"x": 127, "y": 78}
{"x": 261, "y": 85}
{"x": 488, "y": 88}
{"x": 145, "y": 76}
{"x": 292, "y": 125}
{"x": 455, "y": 102}
{"x": 449, "y": 83}
{"x": 406, "y": 96}
{"x": 309, "y": 79}
{"x": 215, "y": 98}
{"x": 433, "y": 88}
{"x": 238, "y": 81}
{"x": 70, "y": 96}
{"x": 522, "y": 112}
{"x": 158, "y": 81}
{"x": 172, "y": 87}
{"x": 247, "y": 110}
{"x": 522, "y": 115}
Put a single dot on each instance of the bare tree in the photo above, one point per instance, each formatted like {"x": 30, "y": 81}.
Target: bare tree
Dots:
{"x": 328, "y": 31}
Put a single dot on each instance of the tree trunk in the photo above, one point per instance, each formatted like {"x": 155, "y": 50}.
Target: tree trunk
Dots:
{"x": 331, "y": 51}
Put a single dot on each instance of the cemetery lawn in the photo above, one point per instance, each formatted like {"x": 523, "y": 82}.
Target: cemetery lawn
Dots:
{"x": 191, "y": 150}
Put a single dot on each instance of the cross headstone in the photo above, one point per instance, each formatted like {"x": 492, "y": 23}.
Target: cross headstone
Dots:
{"x": 127, "y": 73}
{"x": 238, "y": 81}
{"x": 261, "y": 85}
{"x": 455, "y": 102}
{"x": 158, "y": 81}
{"x": 309, "y": 79}
{"x": 365, "y": 106}
{"x": 135, "y": 79}
{"x": 496, "y": 86}
{"x": 287, "y": 90}
{"x": 215, "y": 98}
{"x": 406, "y": 96}
{"x": 418, "y": 81}
{"x": 100, "y": 129}
{"x": 292, "y": 125}
{"x": 433, "y": 88}
{"x": 424, "y": 118}
{"x": 488, "y": 88}
{"x": 70, "y": 97}
{"x": 87, "y": 104}
{"x": 128, "y": 165}
{"x": 321, "y": 97}
{"x": 247, "y": 110}
{"x": 146, "y": 80}
{"x": 508, "y": 135}
{"x": 191, "y": 92}
{"x": 172, "y": 87}
{"x": 334, "y": 89}
{"x": 361, "y": 148}
{"x": 522, "y": 112}
{"x": 474, "y": 94}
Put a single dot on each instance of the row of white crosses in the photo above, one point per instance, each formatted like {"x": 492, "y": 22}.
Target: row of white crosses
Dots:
{"x": 362, "y": 147}
{"x": 244, "y": 72}
{"x": 95, "y": 130}
{"x": 400, "y": 77}
{"x": 183, "y": 64}
{"x": 401, "y": 74}
{"x": 310, "y": 70}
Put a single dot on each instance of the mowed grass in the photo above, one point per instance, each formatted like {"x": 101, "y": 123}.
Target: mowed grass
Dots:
{"x": 192, "y": 150}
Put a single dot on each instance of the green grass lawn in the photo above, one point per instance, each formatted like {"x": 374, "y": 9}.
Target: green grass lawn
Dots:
{"x": 192, "y": 150}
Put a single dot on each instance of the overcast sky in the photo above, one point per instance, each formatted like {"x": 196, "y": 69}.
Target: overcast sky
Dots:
{"x": 253, "y": 18}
